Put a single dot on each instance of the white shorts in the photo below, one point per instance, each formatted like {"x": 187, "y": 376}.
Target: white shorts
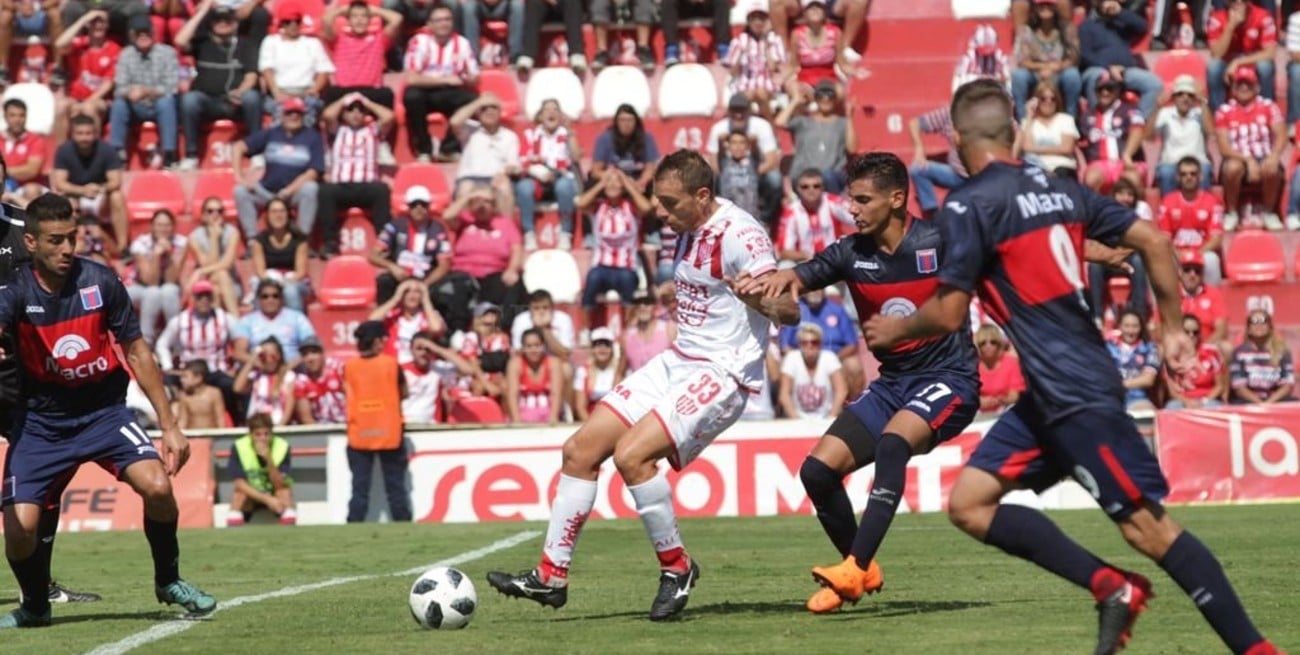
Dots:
{"x": 693, "y": 401}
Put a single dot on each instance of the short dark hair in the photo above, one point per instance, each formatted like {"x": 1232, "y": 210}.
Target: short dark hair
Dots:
{"x": 1190, "y": 161}
{"x": 540, "y": 295}
{"x": 269, "y": 283}
{"x": 811, "y": 174}
{"x": 47, "y": 208}
{"x": 83, "y": 119}
{"x": 537, "y": 332}
{"x": 884, "y": 169}
{"x": 15, "y": 102}
{"x": 981, "y": 110}
{"x": 359, "y": 4}
{"x": 441, "y": 7}
{"x": 1124, "y": 184}
{"x": 260, "y": 421}
{"x": 688, "y": 166}
{"x": 427, "y": 335}
{"x": 198, "y": 367}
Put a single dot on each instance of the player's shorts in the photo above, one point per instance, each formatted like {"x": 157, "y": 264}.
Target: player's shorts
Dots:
{"x": 694, "y": 401}
{"x": 947, "y": 403}
{"x": 40, "y": 464}
{"x": 37, "y": 24}
{"x": 1100, "y": 448}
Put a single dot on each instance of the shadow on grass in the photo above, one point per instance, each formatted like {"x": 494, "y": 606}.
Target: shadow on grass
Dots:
{"x": 151, "y": 616}
{"x": 887, "y": 609}
{"x": 875, "y": 610}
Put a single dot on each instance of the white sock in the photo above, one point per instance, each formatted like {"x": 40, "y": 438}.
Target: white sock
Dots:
{"x": 573, "y": 501}
{"x": 654, "y": 502}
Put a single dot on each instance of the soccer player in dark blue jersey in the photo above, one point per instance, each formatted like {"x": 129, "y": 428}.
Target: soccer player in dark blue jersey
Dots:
{"x": 1015, "y": 235}
{"x": 64, "y": 313}
{"x": 928, "y": 389}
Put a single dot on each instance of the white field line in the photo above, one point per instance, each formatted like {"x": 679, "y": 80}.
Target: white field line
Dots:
{"x": 170, "y": 628}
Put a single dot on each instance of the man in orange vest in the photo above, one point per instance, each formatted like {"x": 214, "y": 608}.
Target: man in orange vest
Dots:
{"x": 374, "y": 388}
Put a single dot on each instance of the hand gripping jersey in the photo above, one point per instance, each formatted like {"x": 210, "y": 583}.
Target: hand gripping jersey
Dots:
{"x": 69, "y": 367}
{"x": 712, "y": 323}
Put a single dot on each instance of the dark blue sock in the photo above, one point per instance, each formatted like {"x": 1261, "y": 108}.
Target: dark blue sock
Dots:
{"x": 46, "y": 529}
{"x": 1029, "y": 534}
{"x": 165, "y": 550}
{"x": 892, "y": 453}
{"x": 1196, "y": 570}
{"x": 33, "y": 577}
{"x": 825, "y": 487}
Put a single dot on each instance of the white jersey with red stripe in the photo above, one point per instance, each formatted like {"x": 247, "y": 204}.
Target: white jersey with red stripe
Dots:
{"x": 354, "y": 155}
{"x": 324, "y": 392}
{"x": 712, "y": 323}
{"x": 812, "y": 231}
{"x": 618, "y": 233}
{"x": 424, "y": 55}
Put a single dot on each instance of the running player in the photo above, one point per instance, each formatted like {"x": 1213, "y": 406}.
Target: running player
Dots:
{"x": 62, "y": 309}
{"x": 1016, "y": 234}
{"x": 678, "y": 402}
{"x": 928, "y": 390}
{"x": 12, "y": 254}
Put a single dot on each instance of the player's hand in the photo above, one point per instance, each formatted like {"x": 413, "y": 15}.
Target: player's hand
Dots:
{"x": 510, "y": 277}
{"x": 882, "y": 332}
{"x": 175, "y": 450}
{"x": 275, "y": 505}
{"x": 1179, "y": 352}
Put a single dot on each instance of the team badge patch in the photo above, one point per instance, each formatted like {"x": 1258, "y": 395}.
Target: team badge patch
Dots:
{"x": 927, "y": 260}
{"x": 91, "y": 298}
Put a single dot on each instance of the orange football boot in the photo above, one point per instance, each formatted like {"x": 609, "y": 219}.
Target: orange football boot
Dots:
{"x": 824, "y": 601}
{"x": 848, "y": 581}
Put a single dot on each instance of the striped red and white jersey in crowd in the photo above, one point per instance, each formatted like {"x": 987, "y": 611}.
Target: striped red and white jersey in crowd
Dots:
{"x": 755, "y": 57}
{"x": 1108, "y": 130}
{"x": 667, "y": 244}
{"x": 473, "y": 346}
{"x": 192, "y": 337}
{"x": 423, "y": 393}
{"x": 324, "y": 392}
{"x": 550, "y": 149}
{"x": 424, "y": 55}
{"x": 401, "y": 328}
{"x": 354, "y": 156}
{"x": 618, "y": 234}
{"x": 1249, "y": 126}
{"x": 267, "y": 397}
{"x": 808, "y": 231}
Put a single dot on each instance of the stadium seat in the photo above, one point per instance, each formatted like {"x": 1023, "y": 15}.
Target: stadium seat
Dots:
{"x": 1173, "y": 63}
{"x": 40, "y": 105}
{"x": 427, "y": 175}
{"x": 702, "y": 99}
{"x": 218, "y": 139}
{"x": 560, "y": 84}
{"x": 617, "y": 85}
{"x": 502, "y": 84}
{"x": 151, "y": 191}
{"x": 556, "y": 271}
{"x": 347, "y": 281}
{"x": 357, "y": 236}
{"x": 334, "y": 327}
{"x": 475, "y": 410}
{"x": 220, "y": 183}
{"x": 141, "y": 145}
{"x": 1254, "y": 257}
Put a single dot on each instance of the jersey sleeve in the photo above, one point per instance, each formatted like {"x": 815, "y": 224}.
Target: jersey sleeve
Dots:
{"x": 122, "y": 321}
{"x": 825, "y": 268}
{"x": 234, "y": 468}
{"x": 748, "y": 249}
{"x": 965, "y": 246}
{"x": 1107, "y": 220}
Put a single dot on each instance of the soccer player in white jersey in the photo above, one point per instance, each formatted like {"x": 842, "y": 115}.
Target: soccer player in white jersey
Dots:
{"x": 676, "y": 404}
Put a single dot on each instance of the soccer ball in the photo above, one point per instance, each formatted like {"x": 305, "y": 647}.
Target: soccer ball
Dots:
{"x": 443, "y": 598}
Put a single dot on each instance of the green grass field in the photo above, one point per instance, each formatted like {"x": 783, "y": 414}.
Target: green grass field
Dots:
{"x": 944, "y": 593}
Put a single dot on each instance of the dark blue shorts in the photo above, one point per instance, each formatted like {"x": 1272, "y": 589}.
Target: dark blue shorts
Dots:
{"x": 50, "y": 451}
{"x": 1099, "y": 447}
{"x": 946, "y": 402}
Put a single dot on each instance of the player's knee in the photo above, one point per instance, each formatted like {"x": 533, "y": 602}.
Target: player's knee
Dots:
{"x": 578, "y": 457}
{"x": 155, "y": 488}
{"x": 1150, "y": 532}
{"x": 632, "y": 464}
{"x": 818, "y": 479}
{"x": 970, "y": 514}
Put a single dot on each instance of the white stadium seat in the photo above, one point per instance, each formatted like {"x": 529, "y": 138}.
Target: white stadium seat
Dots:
{"x": 560, "y": 84}
{"x": 40, "y": 105}
{"x": 687, "y": 90}
{"x": 617, "y": 85}
{"x": 556, "y": 271}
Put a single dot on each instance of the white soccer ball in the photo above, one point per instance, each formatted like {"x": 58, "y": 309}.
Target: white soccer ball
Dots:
{"x": 443, "y": 598}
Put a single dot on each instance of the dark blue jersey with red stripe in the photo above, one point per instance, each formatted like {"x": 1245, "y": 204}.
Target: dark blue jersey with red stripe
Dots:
{"x": 69, "y": 367}
{"x": 895, "y": 284}
{"x": 12, "y": 252}
{"x": 1014, "y": 235}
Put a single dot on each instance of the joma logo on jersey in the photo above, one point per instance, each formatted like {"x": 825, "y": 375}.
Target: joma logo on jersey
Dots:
{"x": 70, "y": 347}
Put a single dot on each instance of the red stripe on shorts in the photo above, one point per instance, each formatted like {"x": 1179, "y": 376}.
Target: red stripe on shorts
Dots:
{"x": 1121, "y": 476}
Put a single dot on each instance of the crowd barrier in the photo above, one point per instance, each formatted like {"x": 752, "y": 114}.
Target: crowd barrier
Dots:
{"x": 470, "y": 474}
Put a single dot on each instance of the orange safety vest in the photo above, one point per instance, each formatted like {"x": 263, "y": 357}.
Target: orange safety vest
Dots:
{"x": 374, "y": 403}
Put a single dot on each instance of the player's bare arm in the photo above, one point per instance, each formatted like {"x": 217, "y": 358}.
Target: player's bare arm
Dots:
{"x": 943, "y": 313}
{"x": 782, "y": 309}
{"x": 175, "y": 447}
{"x": 1157, "y": 252}
{"x": 770, "y": 286}
{"x": 1099, "y": 253}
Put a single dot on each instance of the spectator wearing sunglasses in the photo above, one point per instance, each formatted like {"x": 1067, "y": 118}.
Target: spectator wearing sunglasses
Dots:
{"x": 1204, "y": 382}
{"x": 823, "y": 136}
{"x": 1204, "y": 301}
{"x": 1049, "y": 137}
{"x": 271, "y": 319}
{"x": 812, "y": 383}
{"x": 1252, "y": 136}
{"x": 1001, "y": 382}
{"x": 1261, "y": 371}
{"x": 839, "y": 335}
{"x": 1193, "y": 218}
{"x": 812, "y": 219}
{"x": 1240, "y": 35}
{"x": 1185, "y": 128}
{"x": 1137, "y": 359}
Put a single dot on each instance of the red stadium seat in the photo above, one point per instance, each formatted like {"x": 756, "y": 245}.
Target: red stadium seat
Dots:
{"x": 334, "y": 327}
{"x": 357, "y": 236}
{"x": 151, "y": 191}
{"x": 427, "y": 175}
{"x": 1254, "y": 257}
{"x": 142, "y": 145}
{"x": 502, "y": 84}
{"x": 347, "y": 281}
{"x": 217, "y": 142}
{"x": 476, "y": 410}
{"x": 1180, "y": 62}
{"x": 220, "y": 183}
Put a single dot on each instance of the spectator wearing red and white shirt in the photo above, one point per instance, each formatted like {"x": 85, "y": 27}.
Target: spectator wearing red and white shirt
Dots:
{"x": 488, "y": 249}
{"x": 1242, "y": 34}
{"x": 1203, "y": 384}
{"x": 1112, "y": 133}
{"x": 24, "y": 156}
{"x": 812, "y": 220}
{"x": 268, "y": 382}
{"x": 487, "y": 347}
{"x": 318, "y": 386}
{"x": 352, "y": 179}
{"x": 441, "y": 76}
{"x": 1001, "y": 381}
{"x": 1193, "y": 218}
{"x": 817, "y": 56}
{"x": 201, "y": 332}
{"x": 93, "y": 64}
{"x": 547, "y": 155}
{"x": 1252, "y": 136}
{"x": 433, "y": 374}
{"x": 756, "y": 58}
{"x": 360, "y": 49}
{"x": 1202, "y": 300}
{"x": 407, "y": 313}
{"x": 616, "y": 225}
{"x": 1261, "y": 371}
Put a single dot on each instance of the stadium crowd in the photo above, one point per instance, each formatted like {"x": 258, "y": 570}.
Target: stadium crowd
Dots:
{"x": 226, "y": 303}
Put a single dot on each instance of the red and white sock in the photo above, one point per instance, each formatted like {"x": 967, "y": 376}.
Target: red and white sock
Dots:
{"x": 574, "y": 499}
{"x": 654, "y": 502}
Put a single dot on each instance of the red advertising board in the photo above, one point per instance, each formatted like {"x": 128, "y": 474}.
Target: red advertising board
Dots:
{"x": 1236, "y": 454}
{"x": 97, "y": 501}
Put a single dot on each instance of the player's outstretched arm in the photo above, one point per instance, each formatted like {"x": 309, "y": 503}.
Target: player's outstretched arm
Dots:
{"x": 782, "y": 309}
{"x": 944, "y": 312}
{"x": 1157, "y": 252}
{"x": 175, "y": 448}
